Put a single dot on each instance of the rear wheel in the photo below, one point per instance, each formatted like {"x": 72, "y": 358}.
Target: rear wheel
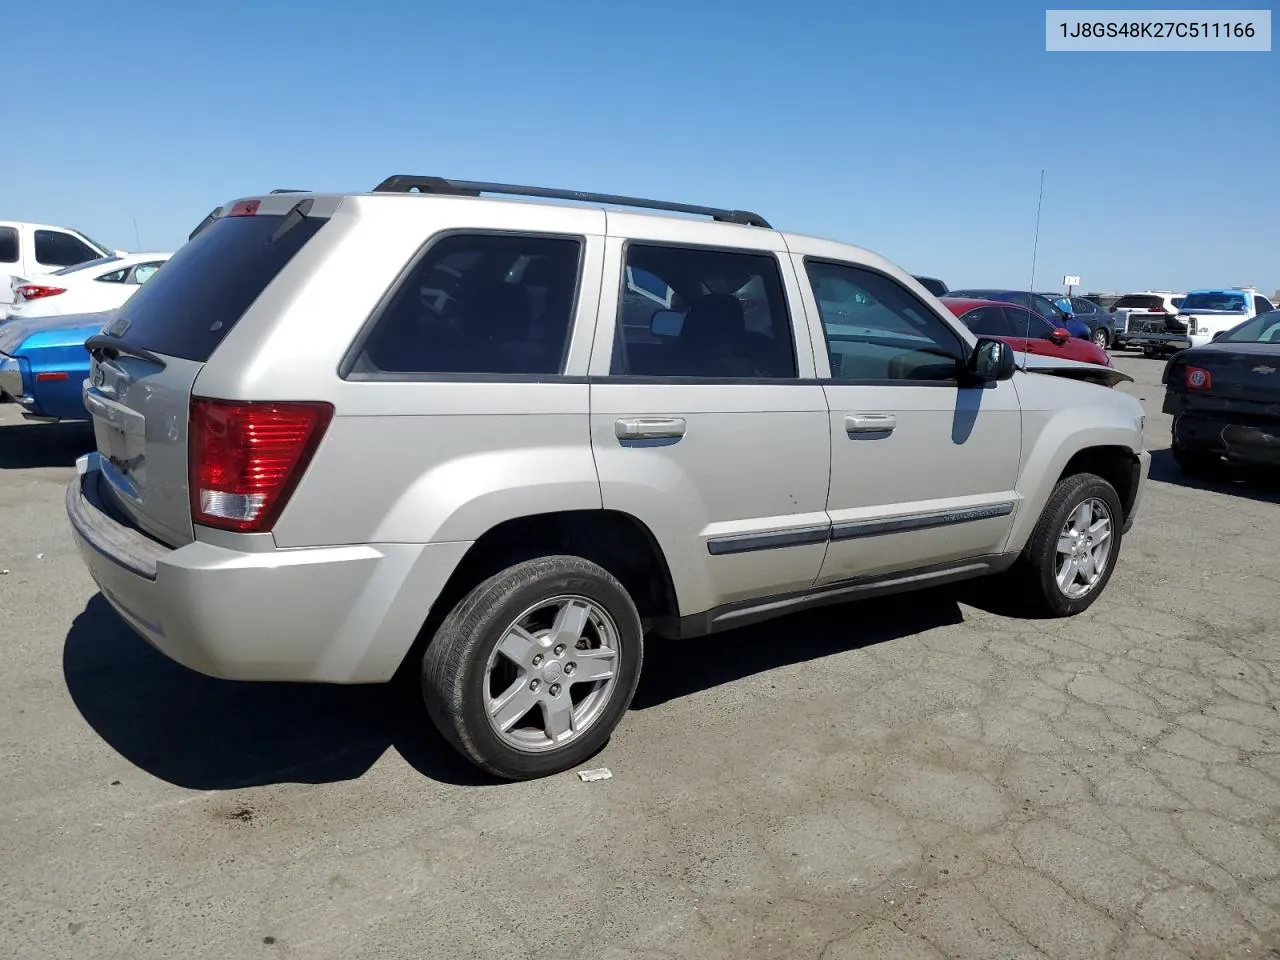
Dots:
{"x": 529, "y": 674}
{"x": 1100, "y": 338}
{"x": 1068, "y": 561}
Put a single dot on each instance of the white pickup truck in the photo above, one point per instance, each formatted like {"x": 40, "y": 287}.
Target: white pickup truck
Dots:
{"x": 31, "y": 250}
{"x": 1203, "y": 315}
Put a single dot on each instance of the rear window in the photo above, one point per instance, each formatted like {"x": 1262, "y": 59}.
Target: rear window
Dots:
{"x": 1139, "y": 303}
{"x": 8, "y": 245}
{"x": 205, "y": 288}
{"x": 1234, "y": 302}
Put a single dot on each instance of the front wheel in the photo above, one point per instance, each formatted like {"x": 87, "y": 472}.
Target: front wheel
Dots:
{"x": 1072, "y": 551}
{"x": 529, "y": 674}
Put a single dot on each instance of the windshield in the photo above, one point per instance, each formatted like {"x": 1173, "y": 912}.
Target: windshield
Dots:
{"x": 87, "y": 265}
{"x": 1263, "y": 329}
{"x": 1233, "y": 302}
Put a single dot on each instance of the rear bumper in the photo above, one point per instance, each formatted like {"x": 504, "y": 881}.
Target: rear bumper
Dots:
{"x": 342, "y": 614}
{"x": 1256, "y": 442}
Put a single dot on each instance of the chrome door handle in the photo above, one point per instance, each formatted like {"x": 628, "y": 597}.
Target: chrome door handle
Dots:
{"x": 870, "y": 423}
{"x": 649, "y": 428}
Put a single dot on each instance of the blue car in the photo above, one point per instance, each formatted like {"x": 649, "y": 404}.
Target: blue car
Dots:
{"x": 43, "y": 364}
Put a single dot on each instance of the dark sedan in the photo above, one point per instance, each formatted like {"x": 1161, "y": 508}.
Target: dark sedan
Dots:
{"x": 1225, "y": 399}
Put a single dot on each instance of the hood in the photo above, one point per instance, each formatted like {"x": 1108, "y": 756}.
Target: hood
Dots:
{"x": 16, "y": 332}
{"x": 1074, "y": 369}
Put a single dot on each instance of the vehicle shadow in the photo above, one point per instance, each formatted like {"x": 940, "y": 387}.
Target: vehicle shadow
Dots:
{"x": 28, "y": 445}
{"x": 726, "y": 657}
{"x": 1238, "y": 483}
{"x": 206, "y": 734}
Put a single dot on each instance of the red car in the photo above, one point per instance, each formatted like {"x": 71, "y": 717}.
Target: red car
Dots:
{"x": 1024, "y": 330}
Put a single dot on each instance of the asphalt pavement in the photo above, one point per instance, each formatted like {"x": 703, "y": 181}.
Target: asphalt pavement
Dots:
{"x": 920, "y": 777}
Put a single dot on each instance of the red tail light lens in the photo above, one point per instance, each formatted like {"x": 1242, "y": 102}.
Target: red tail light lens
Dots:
{"x": 245, "y": 208}
{"x": 247, "y": 458}
{"x": 36, "y": 291}
{"x": 1198, "y": 378}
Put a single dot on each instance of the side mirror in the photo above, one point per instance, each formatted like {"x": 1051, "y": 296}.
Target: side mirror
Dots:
{"x": 991, "y": 360}
{"x": 666, "y": 323}
{"x": 1060, "y": 336}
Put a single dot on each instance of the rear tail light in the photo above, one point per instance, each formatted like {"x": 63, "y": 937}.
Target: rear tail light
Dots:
{"x": 247, "y": 458}
{"x": 1198, "y": 378}
{"x": 36, "y": 291}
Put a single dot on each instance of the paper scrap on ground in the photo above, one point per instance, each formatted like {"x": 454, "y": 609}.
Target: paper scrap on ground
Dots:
{"x": 600, "y": 773}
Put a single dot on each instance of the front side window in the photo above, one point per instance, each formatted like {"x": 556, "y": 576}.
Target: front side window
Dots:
{"x": 695, "y": 312}
{"x": 57, "y": 249}
{"x": 878, "y": 330}
{"x": 143, "y": 272}
{"x": 988, "y": 322}
{"x": 1029, "y": 326}
{"x": 479, "y": 304}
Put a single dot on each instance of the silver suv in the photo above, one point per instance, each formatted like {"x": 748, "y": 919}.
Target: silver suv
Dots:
{"x": 498, "y": 442}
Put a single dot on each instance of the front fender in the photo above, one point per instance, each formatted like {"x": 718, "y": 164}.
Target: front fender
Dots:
{"x": 1052, "y": 438}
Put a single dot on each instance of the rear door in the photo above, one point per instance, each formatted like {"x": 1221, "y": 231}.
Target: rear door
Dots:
{"x": 148, "y": 355}
{"x": 706, "y": 420}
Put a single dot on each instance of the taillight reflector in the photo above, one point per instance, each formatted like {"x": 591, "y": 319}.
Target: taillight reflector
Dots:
{"x": 245, "y": 208}
{"x": 36, "y": 291}
{"x": 1198, "y": 378}
{"x": 53, "y": 375}
{"x": 247, "y": 458}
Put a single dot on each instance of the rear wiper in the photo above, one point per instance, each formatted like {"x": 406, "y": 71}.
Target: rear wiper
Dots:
{"x": 102, "y": 345}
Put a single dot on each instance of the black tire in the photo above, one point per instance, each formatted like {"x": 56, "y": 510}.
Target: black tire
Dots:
{"x": 1199, "y": 463}
{"x": 1101, "y": 339}
{"x": 1037, "y": 565}
{"x": 455, "y": 662}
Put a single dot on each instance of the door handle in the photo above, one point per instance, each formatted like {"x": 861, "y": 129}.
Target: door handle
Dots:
{"x": 870, "y": 423}
{"x": 649, "y": 428}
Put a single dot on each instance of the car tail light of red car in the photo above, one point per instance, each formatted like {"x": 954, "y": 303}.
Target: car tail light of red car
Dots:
{"x": 37, "y": 291}
{"x": 1198, "y": 378}
{"x": 247, "y": 458}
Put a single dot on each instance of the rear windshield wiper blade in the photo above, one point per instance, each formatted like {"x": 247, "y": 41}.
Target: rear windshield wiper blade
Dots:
{"x": 102, "y": 345}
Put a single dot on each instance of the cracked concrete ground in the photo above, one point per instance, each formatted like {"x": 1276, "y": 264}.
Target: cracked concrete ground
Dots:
{"x": 915, "y": 778}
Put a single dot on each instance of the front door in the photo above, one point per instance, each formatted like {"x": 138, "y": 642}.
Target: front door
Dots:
{"x": 707, "y": 422}
{"x": 923, "y": 468}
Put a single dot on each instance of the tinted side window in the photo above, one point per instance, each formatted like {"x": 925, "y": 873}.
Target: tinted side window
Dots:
{"x": 8, "y": 245}
{"x": 115, "y": 276}
{"x": 1027, "y": 325}
{"x": 1261, "y": 305}
{"x": 1083, "y": 307}
{"x": 988, "y": 322}
{"x": 478, "y": 303}
{"x": 882, "y": 332}
{"x": 57, "y": 249}
{"x": 688, "y": 312}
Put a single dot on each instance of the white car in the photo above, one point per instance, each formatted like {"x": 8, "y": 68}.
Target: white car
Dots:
{"x": 30, "y": 250}
{"x": 91, "y": 287}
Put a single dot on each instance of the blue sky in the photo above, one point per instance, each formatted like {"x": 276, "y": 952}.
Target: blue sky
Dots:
{"x": 917, "y": 130}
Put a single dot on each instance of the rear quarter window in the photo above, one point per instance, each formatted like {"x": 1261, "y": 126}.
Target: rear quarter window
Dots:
{"x": 205, "y": 288}
{"x": 8, "y": 245}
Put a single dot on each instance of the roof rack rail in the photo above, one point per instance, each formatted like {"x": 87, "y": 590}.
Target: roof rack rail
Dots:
{"x": 283, "y": 190}
{"x": 403, "y": 183}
